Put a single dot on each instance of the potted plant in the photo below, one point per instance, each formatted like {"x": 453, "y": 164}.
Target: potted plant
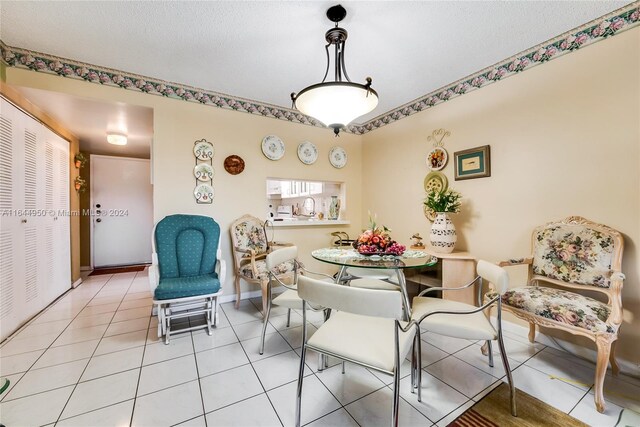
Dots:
{"x": 80, "y": 160}
{"x": 80, "y": 184}
{"x": 443, "y": 233}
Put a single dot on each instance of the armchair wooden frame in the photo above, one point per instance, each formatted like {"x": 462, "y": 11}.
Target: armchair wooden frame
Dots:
{"x": 243, "y": 257}
{"x": 605, "y": 341}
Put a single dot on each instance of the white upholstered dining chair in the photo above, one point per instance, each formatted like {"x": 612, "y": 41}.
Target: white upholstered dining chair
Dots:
{"x": 364, "y": 328}
{"x": 460, "y": 320}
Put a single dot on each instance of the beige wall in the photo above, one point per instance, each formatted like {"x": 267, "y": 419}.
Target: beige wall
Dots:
{"x": 564, "y": 140}
{"x": 178, "y": 124}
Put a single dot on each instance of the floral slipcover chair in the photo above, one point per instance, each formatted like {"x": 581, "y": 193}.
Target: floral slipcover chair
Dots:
{"x": 574, "y": 254}
{"x": 250, "y": 248}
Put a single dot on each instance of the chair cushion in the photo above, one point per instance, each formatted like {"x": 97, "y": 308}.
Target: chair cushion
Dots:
{"x": 373, "y": 284}
{"x": 474, "y": 326}
{"x": 369, "y": 340}
{"x": 186, "y": 245}
{"x": 573, "y": 253}
{"x": 561, "y": 306}
{"x": 289, "y": 299}
{"x": 181, "y": 287}
{"x": 261, "y": 266}
{"x": 250, "y": 234}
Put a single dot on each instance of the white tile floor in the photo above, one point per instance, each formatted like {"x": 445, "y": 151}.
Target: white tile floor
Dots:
{"x": 93, "y": 359}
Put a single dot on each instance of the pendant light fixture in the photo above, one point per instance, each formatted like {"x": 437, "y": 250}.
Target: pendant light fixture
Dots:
{"x": 336, "y": 103}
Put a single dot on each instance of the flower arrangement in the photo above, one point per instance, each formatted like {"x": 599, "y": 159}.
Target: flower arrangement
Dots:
{"x": 443, "y": 201}
{"x": 80, "y": 160}
{"x": 377, "y": 240}
{"x": 80, "y": 184}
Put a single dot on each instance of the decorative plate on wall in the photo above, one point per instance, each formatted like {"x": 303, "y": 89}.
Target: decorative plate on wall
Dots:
{"x": 307, "y": 153}
{"x": 203, "y": 193}
{"x": 272, "y": 147}
{"x": 203, "y": 149}
{"x": 437, "y": 159}
{"x": 234, "y": 164}
{"x": 435, "y": 181}
{"x": 203, "y": 172}
{"x": 430, "y": 213}
{"x": 338, "y": 157}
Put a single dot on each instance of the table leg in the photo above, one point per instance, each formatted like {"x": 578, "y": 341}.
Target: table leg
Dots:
{"x": 341, "y": 274}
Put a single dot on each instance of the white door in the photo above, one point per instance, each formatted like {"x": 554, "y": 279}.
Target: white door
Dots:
{"x": 122, "y": 205}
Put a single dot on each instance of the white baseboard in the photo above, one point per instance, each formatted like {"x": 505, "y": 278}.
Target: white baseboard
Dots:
{"x": 76, "y": 283}
{"x": 626, "y": 367}
{"x": 249, "y": 294}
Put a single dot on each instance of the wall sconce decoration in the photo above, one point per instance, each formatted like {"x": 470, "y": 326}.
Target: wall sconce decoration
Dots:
{"x": 80, "y": 184}
{"x": 80, "y": 160}
{"x": 437, "y": 158}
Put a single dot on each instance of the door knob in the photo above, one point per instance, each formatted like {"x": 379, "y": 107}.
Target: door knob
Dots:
{"x": 24, "y": 221}
{"x": 99, "y": 220}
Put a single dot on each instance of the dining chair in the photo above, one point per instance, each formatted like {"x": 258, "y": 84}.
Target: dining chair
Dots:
{"x": 364, "y": 329}
{"x": 466, "y": 321}
{"x": 289, "y": 298}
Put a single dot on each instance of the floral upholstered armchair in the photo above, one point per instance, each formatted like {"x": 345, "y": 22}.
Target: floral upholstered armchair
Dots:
{"x": 250, "y": 248}
{"x": 573, "y": 254}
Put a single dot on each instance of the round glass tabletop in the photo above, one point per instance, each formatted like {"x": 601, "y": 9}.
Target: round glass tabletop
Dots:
{"x": 351, "y": 258}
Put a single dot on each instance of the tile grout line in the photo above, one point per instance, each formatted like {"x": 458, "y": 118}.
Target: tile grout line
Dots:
{"x": 49, "y": 346}
{"x": 144, "y": 350}
{"x": 195, "y": 358}
{"x": 98, "y": 345}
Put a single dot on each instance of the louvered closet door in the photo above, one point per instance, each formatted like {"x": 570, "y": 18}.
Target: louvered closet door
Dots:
{"x": 61, "y": 219}
{"x": 12, "y": 230}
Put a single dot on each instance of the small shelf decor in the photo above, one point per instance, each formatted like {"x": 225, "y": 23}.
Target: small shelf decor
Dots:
{"x": 376, "y": 240}
{"x": 80, "y": 160}
{"x": 443, "y": 234}
{"x": 203, "y": 171}
{"x": 80, "y": 184}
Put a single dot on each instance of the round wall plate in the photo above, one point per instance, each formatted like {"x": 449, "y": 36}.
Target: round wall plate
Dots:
{"x": 234, "y": 164}
{"x": 272, "y": 147}
{"x": 435, "y": 181}
{"x": 307, "y": 153}
{"x": 203, "y": 193}
{"x": 203, "y": 172}
{"x": 437, "y": 159}
{"x": 203, "y": 149}
{"x": 338, "y": 157}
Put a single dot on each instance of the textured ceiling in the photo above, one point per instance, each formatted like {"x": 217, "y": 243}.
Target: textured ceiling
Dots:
{"x": 266, "y": 50}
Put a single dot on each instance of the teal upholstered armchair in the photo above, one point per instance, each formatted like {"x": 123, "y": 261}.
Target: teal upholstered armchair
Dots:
{"x": 187, "y": 271}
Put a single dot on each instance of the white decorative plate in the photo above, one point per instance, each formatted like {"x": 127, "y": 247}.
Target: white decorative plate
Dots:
{"x": 338, "y": 157}
{"x": 203, "y": 172}
{"x": 203, "y": 149}
{"x": 203, "y": 193}
{"x": 307, "y": 153}
{"x": 437, "y": 159}
{"x": 272, "y": 147}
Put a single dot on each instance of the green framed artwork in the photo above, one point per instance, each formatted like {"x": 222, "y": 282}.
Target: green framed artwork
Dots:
{"x": 473, "y": 163}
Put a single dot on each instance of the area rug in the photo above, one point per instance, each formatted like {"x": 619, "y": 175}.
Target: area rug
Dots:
{"x": 494, "y": 410}
{"x": 114, "y": 270}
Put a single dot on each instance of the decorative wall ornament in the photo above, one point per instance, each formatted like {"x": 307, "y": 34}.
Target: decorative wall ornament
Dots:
{"x": 272, "y": 147}
{"x": 599, "y": 29}
{"x": 203, "y": 171}
{"x": 434, "y": 181}
{"x": 473, "y": 163}
{"x": 234, "y": 164}
{"x": 338, "y": 157}
{"x": 307, "y": 153}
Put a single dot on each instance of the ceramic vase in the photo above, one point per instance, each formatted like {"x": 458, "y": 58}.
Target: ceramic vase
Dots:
{"x": 334, "y": 208}
{"x": 443, "y": 234}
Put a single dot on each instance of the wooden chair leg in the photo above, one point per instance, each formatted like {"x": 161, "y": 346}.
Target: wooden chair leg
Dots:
{"x": 615, "y": 369}
{"x": 237, "y": 283}
{"x": 604, "y": 349}
{"x": 532, "y": 332}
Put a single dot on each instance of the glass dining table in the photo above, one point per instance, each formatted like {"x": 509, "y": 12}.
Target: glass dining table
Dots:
{"x": 345, "y": 258}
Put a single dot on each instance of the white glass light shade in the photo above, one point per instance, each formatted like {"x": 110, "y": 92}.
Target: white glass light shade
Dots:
{"x": 116, "y": 139}
{"x": 336, "y": 103}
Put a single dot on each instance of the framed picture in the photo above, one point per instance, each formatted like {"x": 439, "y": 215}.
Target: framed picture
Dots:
{"x": 473, "y": 163}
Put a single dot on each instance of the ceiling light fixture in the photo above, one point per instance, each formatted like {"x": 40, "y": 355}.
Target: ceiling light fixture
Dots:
{"x": 336, "y": 103}
{"x": 117, "y": 139}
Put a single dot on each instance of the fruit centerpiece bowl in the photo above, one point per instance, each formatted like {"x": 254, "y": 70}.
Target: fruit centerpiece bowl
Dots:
{"x": 377, "y": 241}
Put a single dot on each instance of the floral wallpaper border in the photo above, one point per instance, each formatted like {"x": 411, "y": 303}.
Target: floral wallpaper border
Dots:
{"x": 596, "y": 30}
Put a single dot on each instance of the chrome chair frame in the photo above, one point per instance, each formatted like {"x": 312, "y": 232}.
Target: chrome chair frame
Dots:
{"x": 497, "y": 299}
{"x": 297, "y": 266}
{"x": 323, "y": 353}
